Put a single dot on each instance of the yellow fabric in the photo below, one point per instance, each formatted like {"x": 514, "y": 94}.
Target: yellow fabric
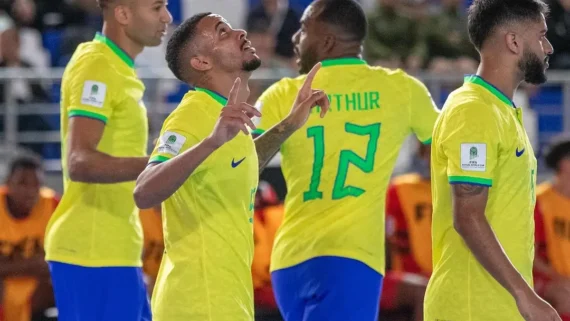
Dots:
{"x": 337, "y": 168}
{"x": 206, "y": 269}
{"x": 98, "y": 224}
{"x": 479, "y": 139}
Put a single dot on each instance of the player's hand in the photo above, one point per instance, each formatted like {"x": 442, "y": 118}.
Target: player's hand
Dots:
{"x": 235, "y": 117}
{"x": 307, "y": 99}
{"x": 533, "y": 308}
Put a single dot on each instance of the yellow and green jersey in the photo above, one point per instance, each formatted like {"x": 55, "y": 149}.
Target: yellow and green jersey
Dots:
{"x": 337, "y": 168}
{"x": 98, "y": 224}
{"x": 205, "y": 272}
{"x": 480, "y": 139}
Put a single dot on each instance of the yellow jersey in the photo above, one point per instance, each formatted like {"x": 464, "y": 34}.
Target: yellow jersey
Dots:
{"x": 480, "y": 139}
{"x": 337, "y": 168}
{"x": 98, "y": 224}
{"x": 205, "y": 272}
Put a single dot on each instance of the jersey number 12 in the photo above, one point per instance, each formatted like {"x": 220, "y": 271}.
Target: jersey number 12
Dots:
{"x": 347, "y": 157}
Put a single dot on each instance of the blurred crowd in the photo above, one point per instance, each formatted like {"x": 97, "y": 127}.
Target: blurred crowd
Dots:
{"x": 416, "y": 35}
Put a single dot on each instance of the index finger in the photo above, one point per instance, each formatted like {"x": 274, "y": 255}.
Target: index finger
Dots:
{"x": 232, "y": 97}
{"x": 310, "y": 76}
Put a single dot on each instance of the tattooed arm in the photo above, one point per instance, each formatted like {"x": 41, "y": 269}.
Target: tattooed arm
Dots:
{"x": 469, "y": 220}
{"x": 268, "y": 144}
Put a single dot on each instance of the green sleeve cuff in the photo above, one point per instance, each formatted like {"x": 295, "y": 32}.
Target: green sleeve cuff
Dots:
{"x": 158, "y": 159}
{"x": 470, "y": 180}
{"x": 258, "y": 131}
{"x": 88, "y": 114}
{"x": 427, "y": 142}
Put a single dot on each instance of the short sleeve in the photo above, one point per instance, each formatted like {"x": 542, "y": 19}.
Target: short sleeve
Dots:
{"x": 92, "y": 89}
{"x": 469, "y": 139}
{"x": 423, "y": 111}
{"x": 270, "y": 104}
{"x": 176, "y": 136}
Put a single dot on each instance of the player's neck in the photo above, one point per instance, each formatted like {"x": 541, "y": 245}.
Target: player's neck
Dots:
{"x": 119, "y": 38}
{"x": 222, "y": 84}
{"x": 561, "y": 186}
{"x": 493, "y": 72}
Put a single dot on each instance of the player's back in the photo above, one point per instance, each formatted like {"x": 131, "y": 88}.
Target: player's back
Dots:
{"x": 98, "y": 224}
{"x": 337, "y": 168}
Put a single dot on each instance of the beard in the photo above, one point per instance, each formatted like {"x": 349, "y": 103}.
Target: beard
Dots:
{"x": 251, "y": 65}
{"x": 308, "y": 60}
{"x": 533, "y": 68}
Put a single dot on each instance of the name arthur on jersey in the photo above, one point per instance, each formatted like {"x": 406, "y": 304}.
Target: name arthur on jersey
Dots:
{"x": 354, "y": 101}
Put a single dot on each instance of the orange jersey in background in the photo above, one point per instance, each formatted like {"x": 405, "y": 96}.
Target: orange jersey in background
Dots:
{"x": 552, "y": 223}
{"x": 409, "y": 206}
{"x": 265, "y": 224}
{"x": 23, "y": 238}
{"x": 153, "y": 249}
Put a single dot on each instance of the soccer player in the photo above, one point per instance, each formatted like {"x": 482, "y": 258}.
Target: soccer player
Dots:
{"x": 484, "y": 174}
{"x": 552, "y": 221}
{"x": 25, "y": 209}
{"x": 328, "y": 257}
{"x": 94, "y": 239}
{"x": 205, "y": 169}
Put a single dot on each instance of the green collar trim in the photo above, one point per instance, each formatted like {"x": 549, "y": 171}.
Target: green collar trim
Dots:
{"x": 116, "y": 49}
{"x": 343, "y": 61}
{"x": 217, "y": 97}
{"x": 475, "y": 79}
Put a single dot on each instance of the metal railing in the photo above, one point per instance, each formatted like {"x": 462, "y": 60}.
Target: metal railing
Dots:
{"x": 159, "y": 81}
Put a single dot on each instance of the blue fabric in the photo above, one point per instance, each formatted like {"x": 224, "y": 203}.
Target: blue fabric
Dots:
{"x": 328, "y": 288}
{"x": 99, "y": 293}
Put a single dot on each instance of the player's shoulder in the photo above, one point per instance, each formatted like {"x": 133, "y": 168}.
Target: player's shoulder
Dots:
{"x": 89, "y": 59}
{"x": 467, "y": 104}
{"x": 406, "y": 179}
{"x": 193, "y": 110}
{"x": 285, "y": 86}
{"x": 544, "y": 189}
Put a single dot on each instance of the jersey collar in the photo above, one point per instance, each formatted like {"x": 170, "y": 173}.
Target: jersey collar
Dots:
{"x": 343, "y": 62}
{"x": 217, "y": 97}
{"x": 475, "y": 79}
{"x": 99, "y": 37}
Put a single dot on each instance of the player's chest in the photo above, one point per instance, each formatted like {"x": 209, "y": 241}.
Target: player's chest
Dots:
{"x": 518, "y": 153}
{"x": 237, "y": 160}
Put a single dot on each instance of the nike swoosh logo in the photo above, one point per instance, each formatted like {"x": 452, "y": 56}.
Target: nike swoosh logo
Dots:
{"x": 236, "y": 164}
{"x": 519, "y": 154}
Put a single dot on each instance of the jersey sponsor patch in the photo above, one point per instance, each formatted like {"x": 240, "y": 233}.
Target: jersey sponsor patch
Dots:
{"x": 474, "y": 157}
{"x": 93, "y": 93}
{"x": 171, "y": 143}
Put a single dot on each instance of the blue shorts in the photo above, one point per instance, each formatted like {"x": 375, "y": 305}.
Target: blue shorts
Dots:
{"x": 328, "y": 288}
{"x": 99, "y": 293}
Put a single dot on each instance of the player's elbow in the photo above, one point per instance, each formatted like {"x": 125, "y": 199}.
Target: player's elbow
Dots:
{"x": 463, "y": 222}
{"x": 77, "y": 167}
{"x": 143, "y": 197}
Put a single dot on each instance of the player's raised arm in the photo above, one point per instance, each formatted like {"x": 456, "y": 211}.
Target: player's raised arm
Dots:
{"x": 87, "y": 164}
{"x": 159, "y": 181}
{"x": 269, "y": 143}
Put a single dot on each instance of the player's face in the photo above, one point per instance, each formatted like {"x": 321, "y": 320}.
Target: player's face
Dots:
{"x": 229, "y": 48}
{"x": 148, "y": 21}
{"x": 537, "y": 48}
{"x": 306, "y": 41}
{"x": 24, "y": 187}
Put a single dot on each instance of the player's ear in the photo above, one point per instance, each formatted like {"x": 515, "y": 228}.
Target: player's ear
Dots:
{"x": 200, "y": 63}
{"x": 514, "y": 42}
{"x": 121, "y": 14}
{"x": 328, "y": 43}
